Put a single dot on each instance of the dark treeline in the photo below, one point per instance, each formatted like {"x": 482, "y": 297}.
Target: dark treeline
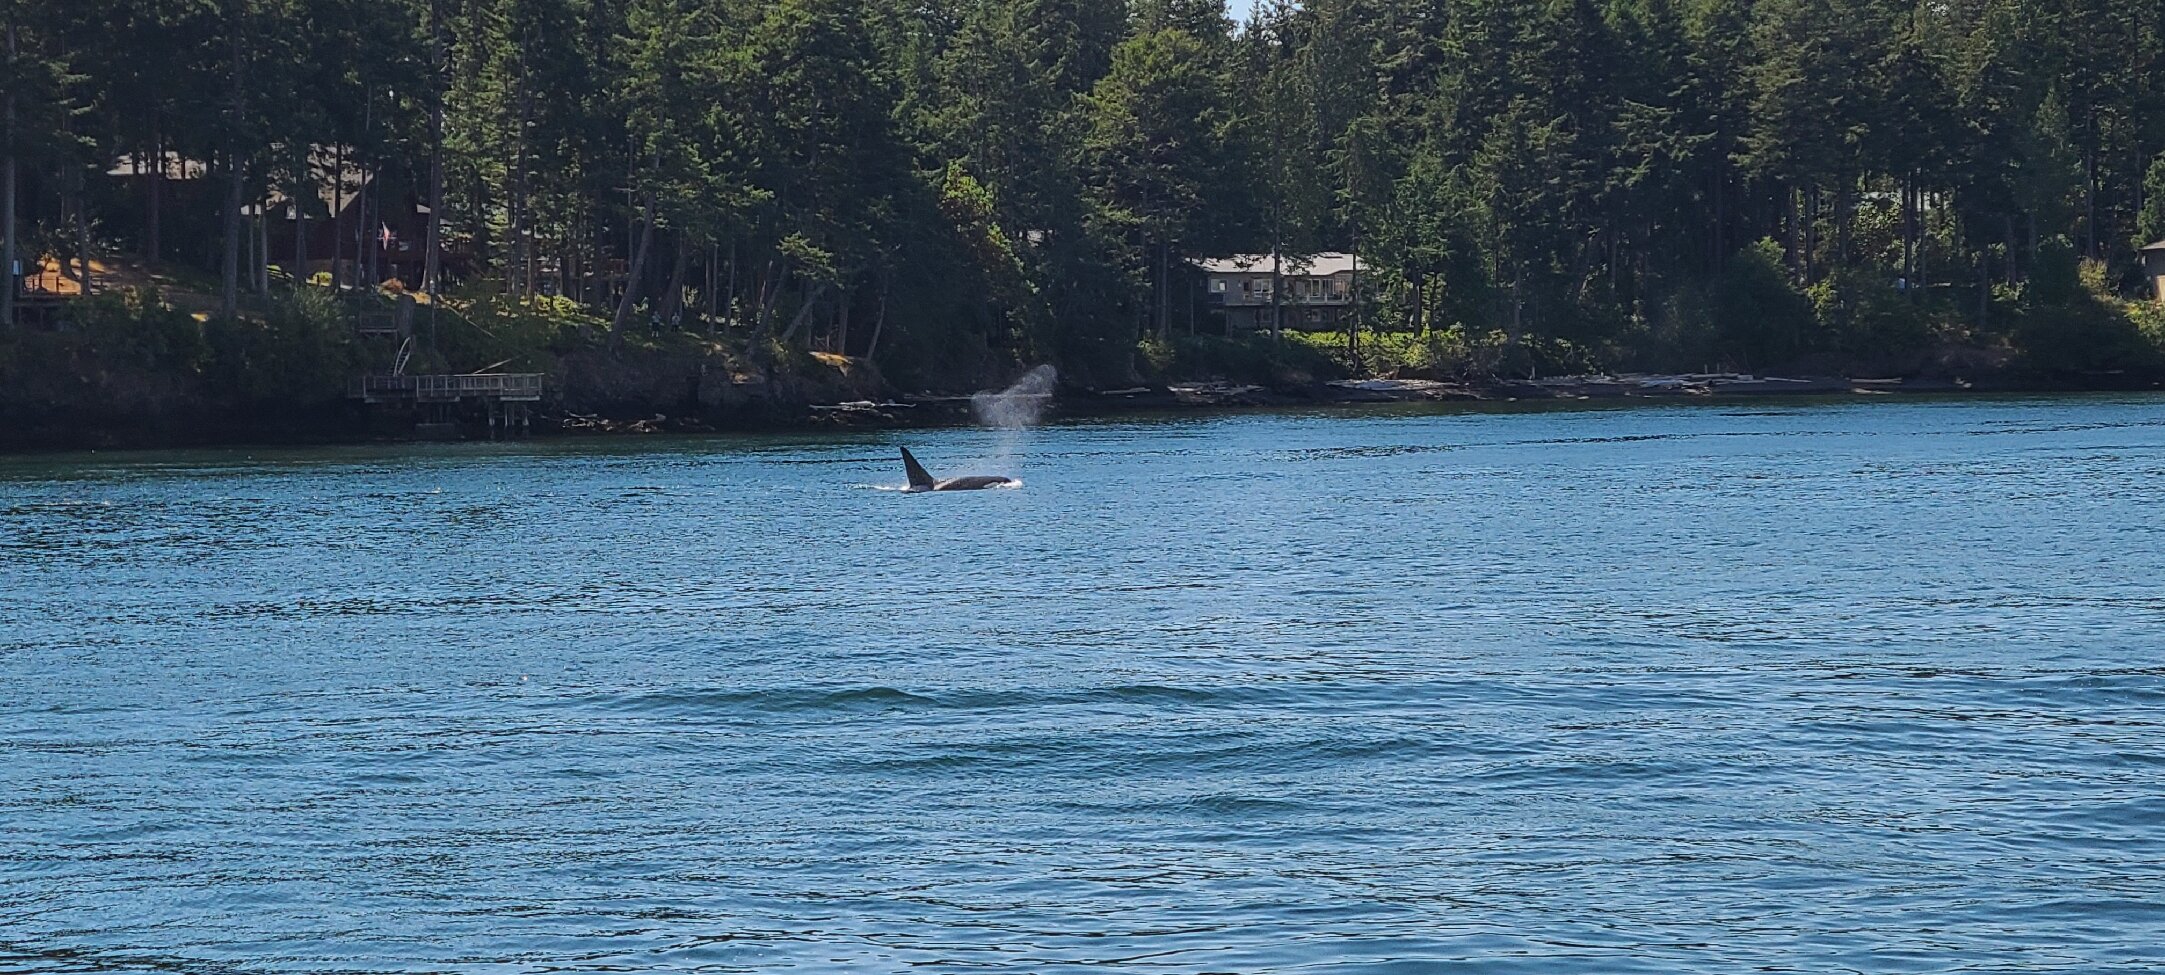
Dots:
{"x": 950, "y": 185}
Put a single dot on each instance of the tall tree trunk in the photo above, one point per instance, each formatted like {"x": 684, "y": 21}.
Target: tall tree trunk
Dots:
{"x": 1165, "y": 289}
{"x": 1416, "y": 322}
{"x": 230, "y": 295}
{"x": 364, "y": 256}
{"x": 2007, "y": 232}
{"x": 82, "y": 231}
{"x": 1844, "y": 202}
{"x": 1811, "y": 235}
{"x": 811, "y": 301}
{"x": 636, "y": 275}
{"x": 569, "y": 279}
{"x": 522, "y": 231}
{"x": 154, "y": 220}
{"x": 1913, "y": 229}
{"x": 673, "y": 295}
{"x": 879, "y": 323}
{"x": 432, "y": 247}
{"x": 841, "y": 323}
{"x": 714, "y": 280}
{"x": 729, "y": 306}
{"x": 7, "y": 206}
{"x": 1353, "y": 302}
{"x": 1277, "y": 291}
{"x": 2089, "y": 193}
{"x": 338, "y": 213}
{"x": 250, "y": 256}
{"x": 301, "y": 193}
{"x": 1792, "y": 221}
{"x": 1518, "y": 315}
{"x": 770, "y": 294}
{"x": 1719, "y": 256}
{"x": 260, "y": 271}
{"x": 365, "y": 240}
{"x": 2030, "y": 250}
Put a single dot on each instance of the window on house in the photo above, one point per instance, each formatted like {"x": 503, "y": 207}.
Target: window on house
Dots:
{"x": 1217, "y": 284}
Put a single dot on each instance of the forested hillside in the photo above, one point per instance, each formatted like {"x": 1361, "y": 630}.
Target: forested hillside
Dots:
{"x": 950, "y": 186}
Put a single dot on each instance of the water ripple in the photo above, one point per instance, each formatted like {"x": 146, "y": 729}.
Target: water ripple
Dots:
{"x": 1816, "y": 687}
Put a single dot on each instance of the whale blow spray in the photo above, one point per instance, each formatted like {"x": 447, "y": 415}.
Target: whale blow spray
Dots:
{"x": 1015, "y": 409}
{"x": 1017, "y": 406}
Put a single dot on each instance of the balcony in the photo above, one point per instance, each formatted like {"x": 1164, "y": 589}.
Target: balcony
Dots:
{"x": 1261, "y": 299}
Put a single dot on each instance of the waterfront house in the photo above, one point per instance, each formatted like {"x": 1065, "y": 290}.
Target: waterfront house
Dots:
{"x": 1313, "y": 291}
{"x": 369, "y": 227}
{"x": 2153, "y": 267}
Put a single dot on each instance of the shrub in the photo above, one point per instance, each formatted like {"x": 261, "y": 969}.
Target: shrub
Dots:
{"x": 1251, "y": 357}
{"x": 301, "y": 352}
{"x": 1759, "y": 319}
{"x": 133, "y": 325}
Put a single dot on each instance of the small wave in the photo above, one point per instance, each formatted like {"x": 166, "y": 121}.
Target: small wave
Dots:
{"x": 1382, "y": 450}
{"x": 1012, "y": 483}
{"x": 806, "y": 700}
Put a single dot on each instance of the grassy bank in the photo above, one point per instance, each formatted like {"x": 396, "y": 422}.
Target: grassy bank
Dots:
{"x": 2066, "y": 327}
{"x": 135, "y": 365}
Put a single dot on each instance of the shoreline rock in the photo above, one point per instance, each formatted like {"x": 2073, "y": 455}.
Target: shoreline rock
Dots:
{"x": 671, "y": 395}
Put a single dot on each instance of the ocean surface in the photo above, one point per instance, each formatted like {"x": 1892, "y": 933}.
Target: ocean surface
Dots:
{"x": 1802, "y": 686}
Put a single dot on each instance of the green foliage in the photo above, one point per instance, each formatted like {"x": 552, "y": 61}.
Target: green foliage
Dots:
{"x": 301, "y": 352}
{"x": 2150, "y": 222}
{"x": 487, "y": 329}
{"x": 1759, "y": 319}
{"x": 1252, "y": 357}
{"x": 2071, "y": 325}
{"x": 1444, "y": 353}
{"x": 956, "y": 186}
{"x": 131, "y": 325}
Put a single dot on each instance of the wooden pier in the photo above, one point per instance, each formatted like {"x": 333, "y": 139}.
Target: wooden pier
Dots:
{"x": 502, "y": 396}
{"x": 502, "y": 387}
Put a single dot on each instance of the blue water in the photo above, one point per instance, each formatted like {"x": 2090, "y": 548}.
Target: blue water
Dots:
{"x": 1812, "y": 686}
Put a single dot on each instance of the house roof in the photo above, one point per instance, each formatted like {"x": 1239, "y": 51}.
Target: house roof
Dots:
{"x": 1320, "y": 265}
{"x": 177, "y": 166}
{"x": 334, "y": 185}
{"x": 2159, "y": 246}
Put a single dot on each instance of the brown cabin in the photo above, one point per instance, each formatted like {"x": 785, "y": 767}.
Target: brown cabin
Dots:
{"x": 388, "y": 236}
{"x": 365, "y": 224}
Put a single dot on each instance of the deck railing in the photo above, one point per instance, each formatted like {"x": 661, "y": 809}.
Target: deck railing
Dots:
{"x": 506, "y": 386}
{"x": 1261, "y": 299}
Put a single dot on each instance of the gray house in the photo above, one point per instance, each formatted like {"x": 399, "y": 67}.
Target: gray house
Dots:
{"x": 1314, "y": 291}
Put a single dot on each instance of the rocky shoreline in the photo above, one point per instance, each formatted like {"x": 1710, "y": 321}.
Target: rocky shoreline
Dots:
{"x": 616, "y": 397}
{"x": 917, "y": 410}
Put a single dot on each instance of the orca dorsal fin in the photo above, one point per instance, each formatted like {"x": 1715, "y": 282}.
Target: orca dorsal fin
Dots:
{"x": 918, "y": 477}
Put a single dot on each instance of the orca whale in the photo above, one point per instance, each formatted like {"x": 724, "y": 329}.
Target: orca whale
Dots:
{"x": 920, "y": 480}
